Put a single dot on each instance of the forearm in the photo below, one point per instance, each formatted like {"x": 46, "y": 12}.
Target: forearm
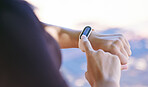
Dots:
{"x": 67, "y": 38}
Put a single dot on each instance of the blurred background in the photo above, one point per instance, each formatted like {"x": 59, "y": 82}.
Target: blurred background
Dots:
{"x": 128, "y": 17}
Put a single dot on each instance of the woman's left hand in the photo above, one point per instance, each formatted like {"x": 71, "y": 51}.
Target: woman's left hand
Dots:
{"x": 116, "y": 44}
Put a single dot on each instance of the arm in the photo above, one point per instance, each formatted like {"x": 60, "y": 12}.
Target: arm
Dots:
{"x": 67, "y": 38}
{"x": 115, "y": 43}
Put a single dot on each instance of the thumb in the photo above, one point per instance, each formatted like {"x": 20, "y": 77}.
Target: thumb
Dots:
{"x": 86, "y": 44}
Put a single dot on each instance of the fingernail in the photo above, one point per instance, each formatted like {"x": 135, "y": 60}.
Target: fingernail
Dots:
{"x": 83, "y": 36}
{"x": 124, "y": 67}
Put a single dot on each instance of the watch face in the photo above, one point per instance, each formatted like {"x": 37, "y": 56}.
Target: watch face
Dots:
{"x": 86, "y": 31}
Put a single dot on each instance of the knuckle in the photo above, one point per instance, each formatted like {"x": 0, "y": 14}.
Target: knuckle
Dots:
{"x": 113, "y": 47}
{"x": 90, "y": 52}
{"x": 114, "y": 50}
{"x": 107, "y": 53}
{"x": 118, "y": 42}
{"x": 124, "y": 61}
{"x": 115, "y": 58}
{"x": 100, "y": 52}
{"x": 121, "y": 38}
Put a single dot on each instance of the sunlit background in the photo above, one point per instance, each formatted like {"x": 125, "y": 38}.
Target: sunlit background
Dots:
{"x": 129, "y": 17}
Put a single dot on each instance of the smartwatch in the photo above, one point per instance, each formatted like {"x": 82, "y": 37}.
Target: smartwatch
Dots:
{"x": 86, "y": 31}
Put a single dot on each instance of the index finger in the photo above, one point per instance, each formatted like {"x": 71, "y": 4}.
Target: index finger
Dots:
{"x": 86, "y": 44}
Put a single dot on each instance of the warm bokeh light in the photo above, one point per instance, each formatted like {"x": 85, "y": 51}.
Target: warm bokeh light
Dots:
{"x": 101, "y": 14}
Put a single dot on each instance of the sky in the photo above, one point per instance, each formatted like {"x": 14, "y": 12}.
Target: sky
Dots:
{"x": 130, "y": 15}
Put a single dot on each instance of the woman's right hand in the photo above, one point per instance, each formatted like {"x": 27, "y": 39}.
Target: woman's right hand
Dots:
{"x": 103, "y": 68}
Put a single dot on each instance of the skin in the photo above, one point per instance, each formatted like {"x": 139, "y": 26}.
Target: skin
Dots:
{"x": 103, "y": 68}
{"x": 115, "y": 44}
{"x": 107, "y": 63}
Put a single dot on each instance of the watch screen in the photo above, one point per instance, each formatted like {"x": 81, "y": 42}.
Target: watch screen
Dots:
{"x": 86, "y": 31}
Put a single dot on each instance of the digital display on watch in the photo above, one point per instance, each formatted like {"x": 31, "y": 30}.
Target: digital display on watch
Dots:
{"x": 86, "y": 31}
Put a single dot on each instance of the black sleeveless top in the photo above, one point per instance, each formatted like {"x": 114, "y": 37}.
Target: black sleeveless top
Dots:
{"x": 29, "y": 57}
